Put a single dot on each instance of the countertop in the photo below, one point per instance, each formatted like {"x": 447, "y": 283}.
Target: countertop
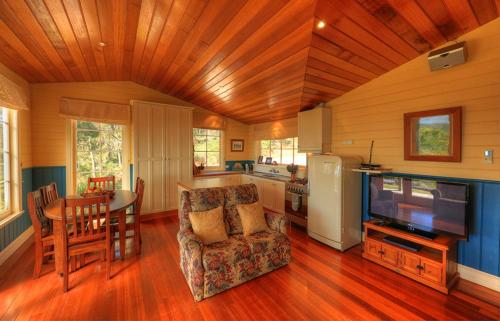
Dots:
{"x": 204, "y": 181}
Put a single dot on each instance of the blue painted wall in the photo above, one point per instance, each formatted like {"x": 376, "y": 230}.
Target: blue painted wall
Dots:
{"x": 32, "y": 178}
{"x": 45, "y": 175}
{"x": 11, "y": 231}
{"x": 482, "y": 250}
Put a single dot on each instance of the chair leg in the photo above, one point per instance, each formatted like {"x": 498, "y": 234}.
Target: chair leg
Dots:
{"x": 108, "y": 260}
{"x": 65, "y": 273}
{"x": 122, "y": 233}
{"x": 137, "y": 238}
{"x": 38, "y": 260}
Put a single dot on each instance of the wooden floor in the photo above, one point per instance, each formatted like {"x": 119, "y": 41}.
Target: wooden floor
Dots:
{"x": 319, "y": 284}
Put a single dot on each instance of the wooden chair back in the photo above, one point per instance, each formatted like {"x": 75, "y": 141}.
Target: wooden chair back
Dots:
{"x": 106, "y": 183}
{"x": 35, "y": 208}
{"x": 86, "y": 219}
{"x": 49, "y": 193}
{"x": 139, "y": 189}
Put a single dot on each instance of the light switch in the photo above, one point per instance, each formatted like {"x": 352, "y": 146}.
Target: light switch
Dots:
{"x": 488, "y": 156}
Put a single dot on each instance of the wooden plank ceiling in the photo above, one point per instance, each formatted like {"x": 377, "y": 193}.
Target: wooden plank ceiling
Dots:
{"x": 251, "y": 60}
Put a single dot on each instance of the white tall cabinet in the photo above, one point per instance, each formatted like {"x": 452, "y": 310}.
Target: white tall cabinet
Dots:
{"x": 163, "y": 145}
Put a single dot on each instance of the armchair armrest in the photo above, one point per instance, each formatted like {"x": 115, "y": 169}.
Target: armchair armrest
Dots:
{"x": 276, "y": 222}
{"x": 191, "y": 250}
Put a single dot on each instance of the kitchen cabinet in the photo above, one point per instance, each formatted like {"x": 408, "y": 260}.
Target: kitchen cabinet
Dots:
{"x": 162, "y": 152}
{"x": 314, "y": 129}
{"x": 271, "y": 192}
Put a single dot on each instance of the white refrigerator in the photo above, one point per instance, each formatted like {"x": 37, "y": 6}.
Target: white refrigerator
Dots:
{"x": 334, "y": 201}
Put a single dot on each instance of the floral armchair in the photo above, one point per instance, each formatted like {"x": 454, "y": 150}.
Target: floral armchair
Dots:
{"x": 210, "y": 269}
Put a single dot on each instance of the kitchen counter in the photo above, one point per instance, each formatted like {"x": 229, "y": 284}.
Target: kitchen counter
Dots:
{"x": 218, "y": 173}
{"x": 226, "y": 179}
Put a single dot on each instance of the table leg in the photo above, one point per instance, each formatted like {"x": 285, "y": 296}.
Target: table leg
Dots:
{"x": 58, "y": 246}
{"x": 122, "y": 229}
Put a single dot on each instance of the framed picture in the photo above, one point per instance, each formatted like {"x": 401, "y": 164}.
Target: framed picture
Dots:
{"x": 237, "y": 145}
{"x": 269, "y": 160}
{"x": 260, "y": 160}
{"x": 433, "y": 135}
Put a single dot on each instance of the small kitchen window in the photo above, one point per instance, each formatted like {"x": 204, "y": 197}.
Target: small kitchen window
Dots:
{"x": 283, "y": 151}
{"x": 207, "y": 147}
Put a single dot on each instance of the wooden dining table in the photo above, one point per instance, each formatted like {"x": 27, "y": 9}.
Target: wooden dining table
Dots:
{"x": 117, "y": 207}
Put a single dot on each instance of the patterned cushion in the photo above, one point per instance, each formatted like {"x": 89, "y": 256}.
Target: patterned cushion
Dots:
{"x": 228, "y": 264}
{"x": 265, "y": 241}
{"x": 221, "y": 255}
{"x": 239, "y": 194}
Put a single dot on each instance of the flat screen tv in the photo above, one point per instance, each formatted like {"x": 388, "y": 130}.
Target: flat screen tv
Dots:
{"x": 420, "y": 205}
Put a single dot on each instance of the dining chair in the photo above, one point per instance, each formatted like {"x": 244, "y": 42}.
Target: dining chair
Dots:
{"x": 106, "y": 183}
{"x": 133, "y": 219}
{"x": 86, "y": 231}
{"x": 49, "y": 193}
{"x": 44, "y": 239}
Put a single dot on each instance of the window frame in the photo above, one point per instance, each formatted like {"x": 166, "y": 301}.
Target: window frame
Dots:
{"x": 71, "y": 156}
{"x": 221, "y": 147}
{"x": 14, "y": 170}
{"x": 8, "y": 169}
{"x": 294, "y": 149}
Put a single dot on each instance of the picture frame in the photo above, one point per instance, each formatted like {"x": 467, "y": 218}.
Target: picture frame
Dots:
{"x": 433, "y": 135}
{"x": 237, "y": 145}
{"x": 260, "y": 160}
{"x": 269, "y": 160}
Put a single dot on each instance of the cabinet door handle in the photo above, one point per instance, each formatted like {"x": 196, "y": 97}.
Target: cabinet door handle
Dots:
{"x": 381, "y": 252}
{"x": 419, "y": 267}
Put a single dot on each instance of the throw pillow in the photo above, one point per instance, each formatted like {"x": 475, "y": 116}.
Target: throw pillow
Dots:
{"x": 252, "y": 218}
{"x": 209, "y": 225}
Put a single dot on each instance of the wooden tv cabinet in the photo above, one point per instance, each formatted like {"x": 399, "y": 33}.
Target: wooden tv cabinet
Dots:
{"x": 433, "y": 265}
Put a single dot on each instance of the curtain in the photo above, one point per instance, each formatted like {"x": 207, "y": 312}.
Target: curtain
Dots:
{"x": 97, "y": 111}
{"x": 12, "y": 95}
{"x": 208, "y": 120}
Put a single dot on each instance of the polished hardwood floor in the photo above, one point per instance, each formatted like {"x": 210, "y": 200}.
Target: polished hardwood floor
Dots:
{"x": 319, "y": 284}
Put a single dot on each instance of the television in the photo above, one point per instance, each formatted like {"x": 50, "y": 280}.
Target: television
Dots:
{"x": 423, "y": 206}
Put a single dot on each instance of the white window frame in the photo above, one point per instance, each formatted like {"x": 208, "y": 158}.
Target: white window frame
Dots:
{"x": 221, "y": 149}
{"x": 14, "y": 170}
{"x": 294, "y": 149}
{"x": 71, "y": 153}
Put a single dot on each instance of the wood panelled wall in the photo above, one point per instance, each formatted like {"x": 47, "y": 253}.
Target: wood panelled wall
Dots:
{"x": 375, "y": 110}
{"x": 49, "y": 129}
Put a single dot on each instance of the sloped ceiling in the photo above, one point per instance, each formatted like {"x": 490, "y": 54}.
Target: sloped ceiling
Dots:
{"x": 254, "y": 61}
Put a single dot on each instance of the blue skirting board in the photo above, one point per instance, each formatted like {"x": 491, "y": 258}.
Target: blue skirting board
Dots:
{"x": 482, "y": 250}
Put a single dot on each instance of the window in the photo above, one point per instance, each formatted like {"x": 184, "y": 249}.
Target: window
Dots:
{"x": 283, "y": 151}
{"x": 5, "y": 201}
{"x": 99, "y": 149}
{"x": 207, "y": 147}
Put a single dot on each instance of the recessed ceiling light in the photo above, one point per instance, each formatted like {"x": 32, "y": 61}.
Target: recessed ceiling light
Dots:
{"x": 102, "y": 44}
{"x": 321, "y": 24}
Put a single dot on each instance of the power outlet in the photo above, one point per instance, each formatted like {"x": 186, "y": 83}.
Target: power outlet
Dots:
{"x": 488, "y": 156}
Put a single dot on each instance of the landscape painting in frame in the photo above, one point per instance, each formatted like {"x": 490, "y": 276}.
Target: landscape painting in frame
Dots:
{"x": 433, "y": 135}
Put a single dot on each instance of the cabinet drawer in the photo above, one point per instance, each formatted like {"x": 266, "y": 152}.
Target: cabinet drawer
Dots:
{"x": 373, "y": 248}
{"x": 390, "y": 254}
{"x": 431, "y": 271}
{"x": 410, "y": 263}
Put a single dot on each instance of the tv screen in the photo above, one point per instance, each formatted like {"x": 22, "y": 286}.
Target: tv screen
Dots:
{"x": 428, "y": 205}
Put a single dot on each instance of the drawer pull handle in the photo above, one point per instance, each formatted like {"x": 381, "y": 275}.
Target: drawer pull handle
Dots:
{"x": 381, "y": 252}
{"x": 419, "y": 267}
